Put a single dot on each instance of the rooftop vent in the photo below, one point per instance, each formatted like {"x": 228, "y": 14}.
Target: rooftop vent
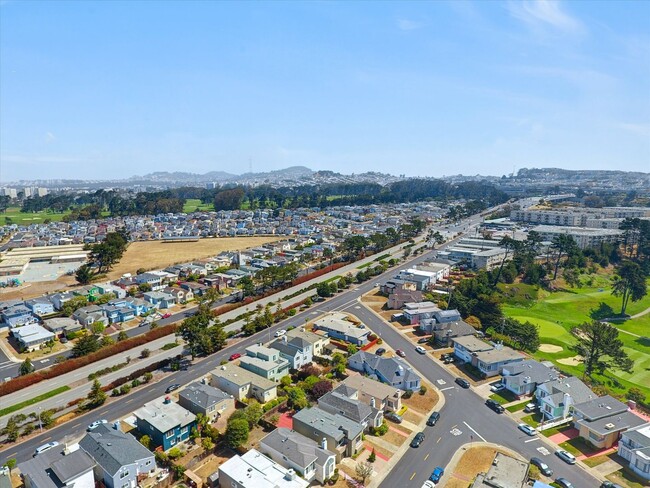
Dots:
{"x": 609, "y": 426}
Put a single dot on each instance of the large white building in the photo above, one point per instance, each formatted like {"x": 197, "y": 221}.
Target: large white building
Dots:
{"x": 255, "y": 470}
{"x": 584, "y": 237}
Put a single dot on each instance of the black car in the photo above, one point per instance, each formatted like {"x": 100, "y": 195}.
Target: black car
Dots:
{"x": 433, "y": 418}
{"x": 173, "y": 387}
{"x": 494, "y": 405}
{"x": 380, "y": 351}
{"x": 462, "y": 382}
{"x": 423, "y": 340}
{"x": 449, "y": 360}
{"x": 417, "y": 440}
{"x": 609, "y": 484}
{"x": 542, "y": 466}
{"x": 564, "y": 483}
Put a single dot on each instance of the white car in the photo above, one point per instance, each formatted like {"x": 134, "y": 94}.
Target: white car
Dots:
{"x": 527, "y": 429}
{"x": 45, "y": 447}
{"x": 429, "y": 484}
{"x": 497, "y": 387}
{"x": 420, "y": 349}
{"x": 280, "y": 333}
{"x": 96, "y": 424}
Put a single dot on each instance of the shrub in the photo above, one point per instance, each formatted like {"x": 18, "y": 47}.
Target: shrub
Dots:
{"x": 407, "y": 394}
{"x": 636, "y": 395}
{"x": 381, "y": 430}
{"x": 423, "y": 390}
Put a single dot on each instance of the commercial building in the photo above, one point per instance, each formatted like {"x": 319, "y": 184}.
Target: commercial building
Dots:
{"x": 584, "y": 237}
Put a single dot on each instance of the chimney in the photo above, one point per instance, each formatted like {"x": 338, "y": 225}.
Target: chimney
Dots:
{"x": 372, "y": 402}
{"x": 116, "y": 425}
{"x": 323, "y": 443}
{"x": 291, "y": 475}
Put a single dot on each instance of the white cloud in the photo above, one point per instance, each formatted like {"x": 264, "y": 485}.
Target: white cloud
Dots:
{"x": 545, "y": 13}
{"x": 408, "y": 25}
{"x": 641, "y": 129}
{"x": 49, "y": 137}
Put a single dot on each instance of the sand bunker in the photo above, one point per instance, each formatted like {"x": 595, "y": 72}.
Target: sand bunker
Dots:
{"x": 552, "y": 348}
{"x": 574, "y": 361}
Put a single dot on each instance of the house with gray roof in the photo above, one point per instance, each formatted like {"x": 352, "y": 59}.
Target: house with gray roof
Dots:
{"x": 32, "y": 336}
{"x": 634, "y": 447}
{"x": 344, "y": 401}
{"x": 317, "y": 341}
{"x": 242, "y": 384}
{"x": 296, "y": 350}
{"x": 557, "y": 396}
{"x": 166, "y": 422}
{"x": 374, "y": 393}
{"x": 310, "y": 459}
{"x": 121, "y": 461}
{"x": 392, "y": 371}
{"x": 60, "y": 467}
{"x": 522, "y": 378}
{"x": 342, "y": 435}
{"x": 207, "y": 400}
{"x": 489, "y": 358}
{"x": 265, "y": 362}
{"x": 602, "y": 420}
{"x": 336, "y": 326}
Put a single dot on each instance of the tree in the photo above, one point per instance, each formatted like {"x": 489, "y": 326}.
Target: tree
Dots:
{"x": 338, "y": 364}
{"x": 97, "y": 328}
{"x": 50, "y": 344}
{"x": 629, "y": 283}
{"x": 323, "y": 290}
{"x": 106, "y": 341}
{"x": 12, "y": 429}
{"x": 145, "y": 353}
{"x": 236, "y": 433}
{"x": 247, "y": 286}
{"x": 253, "y": 412}
{"x": 562, "y": 245}
{"x": 600, "y": 348}
{"x": 96, "y": 397}
{"x": 86, "y": 345}
{"x": 473, "y": 321}
{"x": 207, "y": 444}
{"x": 296, "y": 398}
{"x": 122, "y": 336}
{"x": 26, "y": 367}
{"x": 84, "y": 274}
{"x": 320, "y": 388}
{"x": 74, "y": 304}
{"x": 11, "y": 464}
{"x": 363, "y": 470}
{"x": 145, "y": 440}
{"x": 373, "y": 457}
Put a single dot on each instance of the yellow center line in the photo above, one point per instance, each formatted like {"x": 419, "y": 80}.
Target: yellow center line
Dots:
{"x": 412, "y": 476}
{"x": 426, "y": 457}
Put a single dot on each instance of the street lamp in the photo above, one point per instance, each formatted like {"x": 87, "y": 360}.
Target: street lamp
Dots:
{"x": 40, "y": 424}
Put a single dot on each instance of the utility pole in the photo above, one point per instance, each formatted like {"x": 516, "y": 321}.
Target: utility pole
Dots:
{"x": 40, "y": 424}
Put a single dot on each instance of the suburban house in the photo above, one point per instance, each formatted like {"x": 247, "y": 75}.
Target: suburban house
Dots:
{"x": 242, "y": 384}
{"x": 165, "y": 422}
{"x": 154, "y": 280}
{"x": 634, "y": 447}
{"x": 181, "y": 295}
{"x": 60, "y": 467}
{"x": 91, "y": 292}
{"x": 61, "y": 326}
{"x": 522, "y": 378}
{"x": 392, "y": 371}
{"x": 602, "y": 420}
{"x": 467, "y": 346}
{"x": 110, "y": 288}
{"x": 31, "y": 337}
{"x": 342, "y": 435}
{"x": 336, "y": 326}
{"x": 446, "y": 325}
{"x": 296, "y": 350}
{"x": 207, "y": 400}
{"x": 489, "y": 359}
{"x": 18, "y": 315}
{"x": 421, "y": 279}
{"x": 90, "y": 314}
{"x": 255, "y": 470}
{"x": 505, "y": 472}
{"x": 160, "y": 299}
{"x": 293, "y": 450}
{"x": 317, "y": 341}
{"x": 344, "y": 401}
{"x": 557, "y": 396}
{"x": 59, "y": 299}
{"x": 401, "y": 296}
{"x": 40, "y": 306}
{"x": 375, "y": 393}
{"x": 138, "y": 305}
{"x": 196, "y": 289}
{"x": 118, "y": 314}
{"x": 121, "y": 461}
{"x": 265, "y": 362}
{"x": 415, "y": 312}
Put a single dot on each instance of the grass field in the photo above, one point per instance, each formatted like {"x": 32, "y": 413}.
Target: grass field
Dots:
{"x": 195, "y": 205}
{"x": 556, "y": 313}
{"x": 157, "y": 254}
{"x": 22, "y": 218}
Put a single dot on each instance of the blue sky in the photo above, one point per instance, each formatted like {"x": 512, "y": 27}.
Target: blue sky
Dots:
{"x": 112, "y": 89}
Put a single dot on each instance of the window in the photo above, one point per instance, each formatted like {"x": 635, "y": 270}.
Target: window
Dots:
{"x": 184, "y": 430}
{"x": 125, "y": 485}
{"x": 147, "y": 463}
{"x": 169, "y": 434}
{"x": 124, "y": 474}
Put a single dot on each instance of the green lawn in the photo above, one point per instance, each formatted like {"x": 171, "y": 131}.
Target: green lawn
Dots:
{"x": 32, "y": 401}
{"x": 26, "y": 218}
{"x": 194, "y": 205}
{"x": 503, "y": 397}
{"x": 516, "y": 407}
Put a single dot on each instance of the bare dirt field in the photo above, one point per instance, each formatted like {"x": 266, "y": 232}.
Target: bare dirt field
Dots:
{"x": 157, "y": 254}
{"x": 475, "y": 460}
{"x": 422, "y": 403}
{"x": 37, "y": 289}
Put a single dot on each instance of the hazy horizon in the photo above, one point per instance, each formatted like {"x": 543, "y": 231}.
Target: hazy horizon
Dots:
{"x": 109, "y": 90}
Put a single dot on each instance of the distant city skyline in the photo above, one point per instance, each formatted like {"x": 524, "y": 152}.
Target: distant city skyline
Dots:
{"x": 109, "y": 90}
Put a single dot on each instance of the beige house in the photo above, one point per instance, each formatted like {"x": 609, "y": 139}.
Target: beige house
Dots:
{"x": 374, "y": 393}
{"x": 241, "y": 383}
{"x": 317, "y": 341}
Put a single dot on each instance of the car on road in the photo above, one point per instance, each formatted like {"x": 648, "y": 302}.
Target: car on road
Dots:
{"x": 423, "y": 340}
{"x": 280, "y": 333}
{"x": 527, "y": 429}
{"x": 400, "y": 353}
{"x": 420, "y": 349}
{"x": 437, "y": 474}
{"x": 166, "y": 315}
{"x": 380, "y": 351}
{"x": 462, "y": 382}
{"x": 394, "y": 417}
{"x": 96, "y": 424}
{"x": 542, "y": 466}
{"x": 530, "y": 407}
{"x": 234, "y": 356}
{"x": 609, "y": 484}
{"x": 497, "y": 387}
{"x": 417, "y": 440}
{"x": 565, "y": 456}
{"x": 173, "y": 387}
{"x": 45, "y": 447}
{"x": 433, "y": 419}
{"x": 563, "y": 482}
{"x": 494, "y": 405}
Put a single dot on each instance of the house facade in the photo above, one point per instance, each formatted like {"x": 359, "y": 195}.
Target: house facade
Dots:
{"x": 18, "y": 315}
{"x": 265, "y": 361}
{"x": 318, "y": 342}
{"x": 602, "y": 420}
{"x": 375, "y": 393}
{"x": 336, "y": 326}
{"x": 634, "y": 447}
{"x": 242, "y": 384}
{"x": 40, "y": 306}
{"x": 296, "y": 350}
{"x": 555, "y": 398}
{"x": 392, "y": 371}
{"x": 207, "y": 400}
{"x": 344, "y": 400}
{"x": 165, "y": 422}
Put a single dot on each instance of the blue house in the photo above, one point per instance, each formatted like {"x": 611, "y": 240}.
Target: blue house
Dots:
{"x": 160, "y": 299}
{"x": 18, "y": 315}
{"x": 165, "y": 422}
{"x": 40, "y": 306}
{"x": 139, "y": 306}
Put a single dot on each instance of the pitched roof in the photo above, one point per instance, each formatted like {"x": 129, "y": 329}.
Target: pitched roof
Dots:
{"x": 53, "y": 469}
{"x": 296, "y": 447}
{"x": 393, "y": 369}
{"x": 571, "y": 385}
{"x": 112, "y": 449}
{"x": 529, "y": 371}
{"x": 204, "y": 396}
{"x": 371, "y": 387}
{"x": 241, "y": 376}
{"x": 346, "y": 406}
{"x": 334, "y": 425}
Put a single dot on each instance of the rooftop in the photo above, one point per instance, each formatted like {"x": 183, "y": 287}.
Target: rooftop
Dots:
{"x": 54, "y": 469}
{"x": 505, "y": 472}
{"x": 498, "y": 354}
{"x": 472, "y": 344}
{"x": 296, "y": 447}
{"x": 164, "y": 414}
{"x": 203, "y": 395}
{"x": 254, "y": 469}
{"x": 600, "y": 407}
{"x": 337, "y": 322}
{"x": 371, "y": 387}
{"x": 241, "y": 376}
{"x": 333, "y": 425}
{"x": 613, "y": 423}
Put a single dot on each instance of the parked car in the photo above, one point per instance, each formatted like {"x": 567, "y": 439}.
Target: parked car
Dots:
{"x": 433, "y": 419}
{"x": 428, "y": 484}
{"x": 280, "y": 333}
{"x": 449, "y": 360}
{"x": 565, "y": 456}
{"x": 420, "y": 349}
{"x": 494, "y": 405}
{"x": 609, "y": 484}
{"x": 63, "y": 340}
{"x": 96, "y": 424}
{"x": 527, "y": 429}
{"x": 400, "y": 353}
{"x": 45, "y": 447}
{"x": 234, "y": 356}
{"x": 497, "y": 387}
{"x": 423, "y": 340}
{"x": 437, "y": 474}
{"x": 394, "y": 417}
{"x": 462, "y": 382}
{"x": 564, "y": 483}
{"x": 380, "y": 351}
{"x": 166, "y": 315}
{"x": 543, "y": 467}
{"x": 417, "y": 440}
{"x": 530, "y": 407}
{"x": 173, "y": 387}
